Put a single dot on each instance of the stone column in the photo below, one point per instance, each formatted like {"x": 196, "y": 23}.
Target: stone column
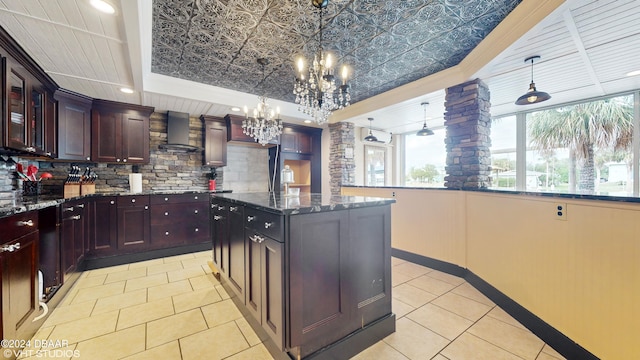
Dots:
{"x": 468, "y": 122}
{"x": 342, "y": 166}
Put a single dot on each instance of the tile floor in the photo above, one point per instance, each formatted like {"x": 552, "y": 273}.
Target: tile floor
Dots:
{"x": 173, "y": 308}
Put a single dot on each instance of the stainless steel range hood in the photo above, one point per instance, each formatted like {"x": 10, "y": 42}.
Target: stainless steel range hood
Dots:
{"x": 178, "y": 132}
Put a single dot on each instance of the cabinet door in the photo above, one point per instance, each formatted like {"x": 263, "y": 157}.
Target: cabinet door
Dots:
{"x": 74, "y": 130}
{"x": 288, "y": 141}
{"x": 79, "y": 236}
{"x": 36, "y": 124}
{"x": 17, "y": 105}
{"x": 215, "y": 144}
{"x": 272, "y": 291}
{"x": 135, "y": 138}
{"x": 304, "y": 141}
{"x": 104, "y": 226}
{"x": 70, "y": 229}
{"x": 50, "y": 127}
{"x": 133, "y": 228}
{"x": 219, "y": 234}
{"x": 253, "y": 273}
{"x": 106, "y": 136}
{"x": 235, "y": 268}
{"x": 319, "y": 297}
{"x": 19, "y": 285}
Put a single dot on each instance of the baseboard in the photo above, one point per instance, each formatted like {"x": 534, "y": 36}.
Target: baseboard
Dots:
{"x": 96, "y": 263}
{"x": 547, "y": 333}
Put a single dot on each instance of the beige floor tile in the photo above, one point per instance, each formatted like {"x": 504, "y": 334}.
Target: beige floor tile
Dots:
{"x": 498, "y": 313}
{"x": 545, "y": 356}
{"x": 195, "y": 299}
{"x": 96, "y": 292}
{"x": 397, "y": 261}
{"x": 61, "y": 353}
{"x": 472, "y": 293}
{"x": 223, "y": 293}
{"x": 411, "y": 269}
{"x": 146, "y": 282}
{"x": 248, "y": 332}
{"x": 380, "y": 350}
{"x": 398, "y": 278}
{"x": 193, "y": 263}
{"x": 163, "y": 268}
{"x": 42, "y": 334}
{"x": 126, "y": 275}
{"x": 432, "y": 285}
{"x": 468, "y": 346}
{"x": 170, "y": 350}
{"x": 451, "y": 279}
{"x": 86, "y": 282}
{"x": 139, "y": 314}
{"x": 183, "y": 274}
{"x": 439, "y": 357}
{"x": 107, "y": 270}
{"x": 120, "y": 301}
{"x": 206, "y": 269}
{"x": 216, "y": 343}
{"x": 400, "y": 309}
{"x": 412, "y": 295}
{"x": 258, "y": 352}
{"x": 462, "y": 306}
{"x": 113, "y": 346}
{"x": 205, "y": 253}
{"x": 440, "y": 321}
{"x": 551, "y": 351}
{"x": 87, "y": 328}
{"x": 204, "y": 282}
{"x": 513, "y": 339}
{"x": 220, "y": 313}
{"x": 63, "y": 314}
{"x": 174, "y": 327}
{"x": 415, "y": 341}
{"x": 170, "y": 289}
{"x": 178, "y": 258}
{"x": 146, "y": 263}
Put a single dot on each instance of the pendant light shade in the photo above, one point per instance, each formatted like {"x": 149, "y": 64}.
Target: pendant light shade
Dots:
{"x": 370, "y": 137}
{"x": 425, "y": 131}
{"x": 532, "y": 96}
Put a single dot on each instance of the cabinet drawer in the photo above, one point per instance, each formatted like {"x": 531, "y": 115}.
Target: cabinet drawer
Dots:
{"x": 264, "y": 222}
{"x": 178, "y": 198}
{"x": 15, "y": 226}
{"x": 183, "y": 214}
{"x": 133, "y": 200}
{"x": 178, "y": 234}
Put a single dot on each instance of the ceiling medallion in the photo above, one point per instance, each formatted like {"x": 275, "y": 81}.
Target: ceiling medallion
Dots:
{"x": 532, "y": 95}
{"x": 317, "y": 94}
{"x": 265, "y": 124}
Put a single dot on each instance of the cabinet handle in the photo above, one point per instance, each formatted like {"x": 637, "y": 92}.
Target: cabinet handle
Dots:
{"x": 197, "y": 230}
{"x": 268, "y": 225}
{"x": 217, "y": 217}
{"x": 68, "y": 209}
{"x": 81, "y": 206}
{"x": 166, "y": 213}
{"x": 88, "y": 158}
{"x": 48, "y": 153}
{"x": 233, "y": 208}
{"x": 25, "y": 223}
{"x": 146, "y": 207}
{"x": 256, "y": 239}
{"x": 166, "y": 199}
{"x": 166, "y": 233}
{"x": 112, "y": 202}
{"x": 220, "y": 208}
{"x": 195, "y": 197}
{"x": 30, "y": 149}
{"x": 10, "y": 248}
{"x": 250, "y": 218}
{"x": 213, "y": 206}
{"x": 133, "y": 200}
{"x": 77, "y": 217}
{"x": 196, "y": 211}
{"x": 124, "y": 160}
{"x": 117, "y": 160}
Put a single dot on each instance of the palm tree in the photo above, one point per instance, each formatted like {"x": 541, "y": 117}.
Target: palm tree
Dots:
{"x": 583, "y": 128}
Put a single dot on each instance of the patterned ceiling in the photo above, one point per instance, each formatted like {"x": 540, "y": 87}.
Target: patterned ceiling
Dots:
{"x": 386, "y": 43}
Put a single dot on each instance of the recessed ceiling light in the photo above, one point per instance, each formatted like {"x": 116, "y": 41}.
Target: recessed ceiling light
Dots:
{"x": 307, "y": 121}
{"x": 634, "y": 73}
{"x": 235, "y": 108}
{"x": 126, "y": 90}
{"x": 103, "y": 6}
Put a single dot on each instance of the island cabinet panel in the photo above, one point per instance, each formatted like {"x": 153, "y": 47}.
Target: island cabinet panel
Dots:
{"x": 319, "y": 297}
{"x": 236, "y": 250}
{"x": 220, "y": 234}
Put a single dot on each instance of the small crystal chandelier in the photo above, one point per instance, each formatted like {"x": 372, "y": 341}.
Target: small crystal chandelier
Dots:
{"x": 265, "y": 124}
{"x": 318, "y": 94}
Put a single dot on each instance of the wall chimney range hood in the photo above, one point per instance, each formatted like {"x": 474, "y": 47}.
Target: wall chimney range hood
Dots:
{"x": 178, "y": 133}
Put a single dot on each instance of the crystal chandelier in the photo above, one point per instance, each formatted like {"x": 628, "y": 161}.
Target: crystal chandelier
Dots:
{"x": 317, "y": 94}
{"x": 265, "y": 124}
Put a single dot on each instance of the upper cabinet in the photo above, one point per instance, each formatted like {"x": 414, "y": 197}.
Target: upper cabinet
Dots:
{"x": 215, "y": 141}
{"x": 296, "y": 141}
{"x": 74, "y": 126}
{"x": 119, "y": 132}
{"x": 236, "y": 135}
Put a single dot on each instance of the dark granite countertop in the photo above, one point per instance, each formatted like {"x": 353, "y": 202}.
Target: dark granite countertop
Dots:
{"x": 304, "y": 203}
{"x": 30, "y": 203}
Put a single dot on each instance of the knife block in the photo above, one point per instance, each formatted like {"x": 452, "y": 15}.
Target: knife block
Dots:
{"x": 71, "y": 190}
{"x": 86, "y": 189}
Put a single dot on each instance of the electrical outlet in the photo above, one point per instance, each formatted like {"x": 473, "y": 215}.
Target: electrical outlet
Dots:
{"x": 560, "y": 211}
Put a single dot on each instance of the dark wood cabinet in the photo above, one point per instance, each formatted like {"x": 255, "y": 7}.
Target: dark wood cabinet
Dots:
{"x": 19, "y": 274}
{"x": 220, "y": 234}
{"x": 236, "y": 135}
{"x": 73, "y": 234}
{"x": 119, "y": 132}
{"x": 236, "y": 250}
{"x": 179, "y": 219}
{"x": 103, "y": 226}
{"x": 74, "y": 126}
{"x": 215, "y": 141}
{"x": 49, "y": 245}
{"x": 296, "y": 141}
{"x": 133, "y": 223}
{"x": 301, "y": 150}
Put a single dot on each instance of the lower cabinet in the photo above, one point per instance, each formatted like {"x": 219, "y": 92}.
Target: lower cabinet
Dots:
{"x": 133, "y": 223}
{"x": 103, "y": 226}
{"x": 220, "y": 234}
{"x": 19, "y": 274}
{"x": 72, "y": 236}
{"x": 236, "y": 250}
{"x": 179, "y": 219}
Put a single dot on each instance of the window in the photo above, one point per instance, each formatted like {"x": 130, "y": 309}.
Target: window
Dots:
{"x": 374, "y": 158}
{"x": 425, "y": 160}
{"x": 503, "y": 153}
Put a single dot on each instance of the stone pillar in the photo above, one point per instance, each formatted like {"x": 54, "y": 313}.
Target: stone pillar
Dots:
{"x": 467, "y": 119}
{"x": 342, "y": 166}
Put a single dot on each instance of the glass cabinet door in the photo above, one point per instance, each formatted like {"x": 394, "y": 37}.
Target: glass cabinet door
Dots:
{"x": 17, "y": 113}
{"x": 36, "y": 126}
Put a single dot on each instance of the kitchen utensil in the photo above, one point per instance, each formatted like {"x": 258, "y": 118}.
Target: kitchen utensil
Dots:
{"x": 45, "y": 175}
{"x": 32, "y": 170}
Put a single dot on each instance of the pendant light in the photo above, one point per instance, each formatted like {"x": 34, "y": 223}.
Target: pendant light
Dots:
{"x": 532, "y": 96}
{"x": 370, "y": 137}
{"x": 425, "y": 131}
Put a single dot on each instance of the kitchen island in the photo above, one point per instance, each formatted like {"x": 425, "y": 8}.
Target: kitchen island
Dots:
{"x": 311, "y": 273}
